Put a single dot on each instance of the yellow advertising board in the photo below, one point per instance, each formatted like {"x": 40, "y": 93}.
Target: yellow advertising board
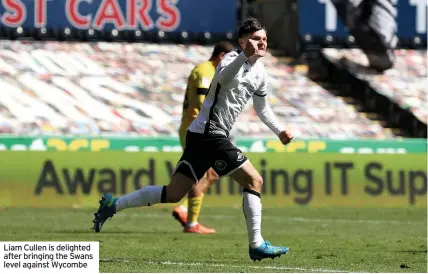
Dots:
{"x": 77, "y": 179}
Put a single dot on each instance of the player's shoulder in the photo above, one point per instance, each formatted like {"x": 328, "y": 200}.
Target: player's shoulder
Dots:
{"x": 204, "y": 64}
{"x": 200, "y": 66}
{"x": 204, "y": 67}
{"x": 261, "y": 65}
{"x": 261, "y": 68}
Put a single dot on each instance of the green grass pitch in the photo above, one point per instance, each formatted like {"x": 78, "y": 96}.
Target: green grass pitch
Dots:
{"x": 320, "y": 239}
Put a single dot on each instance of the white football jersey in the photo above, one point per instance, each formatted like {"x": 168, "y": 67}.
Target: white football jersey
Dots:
{"x": 224, "y": 103}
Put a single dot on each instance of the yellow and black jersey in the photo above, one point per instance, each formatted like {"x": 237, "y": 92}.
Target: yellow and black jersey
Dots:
{"x": 198, "y": 85}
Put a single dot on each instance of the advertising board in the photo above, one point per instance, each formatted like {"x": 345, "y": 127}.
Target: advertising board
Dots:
{"x": 146, "y": 15}
{"x": 172, "y": 144}
{"x": 69, "y": 179}
{"x": 320, "y": 18}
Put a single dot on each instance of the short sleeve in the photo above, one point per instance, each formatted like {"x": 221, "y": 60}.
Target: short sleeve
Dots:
{"x": 203, "y": 78}
{"x": 203, "y": 81}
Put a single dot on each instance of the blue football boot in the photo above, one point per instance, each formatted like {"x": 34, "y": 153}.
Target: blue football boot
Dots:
{"x": 106, "y": 210}
{"x": 266, "y": 250}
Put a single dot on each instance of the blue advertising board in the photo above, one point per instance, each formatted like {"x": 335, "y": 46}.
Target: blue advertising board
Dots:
{"x": 319, "y": 18}
{"x": 217, "y": 16}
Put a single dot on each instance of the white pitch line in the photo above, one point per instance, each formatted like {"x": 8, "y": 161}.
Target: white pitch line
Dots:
{"x": 253, "y": 267}
{"x": 396, "y": 222}
{"x": 292, "y": 219}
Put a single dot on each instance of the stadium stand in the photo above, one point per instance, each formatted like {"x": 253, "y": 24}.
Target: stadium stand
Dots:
{"x": 137, "y": 89}
{"x": 406, "y": 83}
{"x": 399, "y": 95}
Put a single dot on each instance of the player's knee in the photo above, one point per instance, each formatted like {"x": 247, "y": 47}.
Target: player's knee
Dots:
{"x": 179, "y": 186}
{"x": 256, "y": 183}
{"x": 175, "y": 192}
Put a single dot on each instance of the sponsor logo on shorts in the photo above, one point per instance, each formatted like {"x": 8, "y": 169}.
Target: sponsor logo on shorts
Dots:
{"x": 240, "y": 157}
{"x": 220, "y": 165}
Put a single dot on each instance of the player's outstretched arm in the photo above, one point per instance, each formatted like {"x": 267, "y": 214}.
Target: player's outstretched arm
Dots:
{"x": 266, "y": 115}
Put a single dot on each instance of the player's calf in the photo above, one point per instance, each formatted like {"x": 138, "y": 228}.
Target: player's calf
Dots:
{"x": 189, "y": 216}
{"x": 150, "y": 195}
{"x": 248, "y": 177}
{"x": 178, "y": 188}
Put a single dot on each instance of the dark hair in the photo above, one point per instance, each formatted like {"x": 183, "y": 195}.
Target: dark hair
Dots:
{"x": 222, "y": 46}
{"x": 249, "y": 26}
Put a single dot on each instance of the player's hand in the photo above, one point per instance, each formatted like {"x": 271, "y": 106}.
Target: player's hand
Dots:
{"x": 251, "y": 48}
{"x": 285, "y": 136}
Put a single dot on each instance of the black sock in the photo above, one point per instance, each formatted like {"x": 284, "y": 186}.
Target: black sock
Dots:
{"x": 163, "y": 195}
{"x": 252, "y": 192}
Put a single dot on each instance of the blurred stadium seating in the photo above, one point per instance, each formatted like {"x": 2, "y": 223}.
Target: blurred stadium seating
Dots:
{"x": 137, "y": 89}
{"x": 405, "y": 84}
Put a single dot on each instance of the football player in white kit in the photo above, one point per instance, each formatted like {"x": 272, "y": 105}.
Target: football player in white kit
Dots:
{"x": 240, "y": 76}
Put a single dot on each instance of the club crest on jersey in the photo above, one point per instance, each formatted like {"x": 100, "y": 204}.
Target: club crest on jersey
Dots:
{"x": 220, "y": 165}
{"x": 245, "y": 89}
{"x": 240, "y": 157}
{"x": 242, "y": 91}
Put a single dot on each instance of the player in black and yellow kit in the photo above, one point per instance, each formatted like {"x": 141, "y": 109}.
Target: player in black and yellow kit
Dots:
{"x": 198, "y": 85}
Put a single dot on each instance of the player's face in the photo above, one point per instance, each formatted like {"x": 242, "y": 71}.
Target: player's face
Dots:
{"x": 261, "y": 38}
